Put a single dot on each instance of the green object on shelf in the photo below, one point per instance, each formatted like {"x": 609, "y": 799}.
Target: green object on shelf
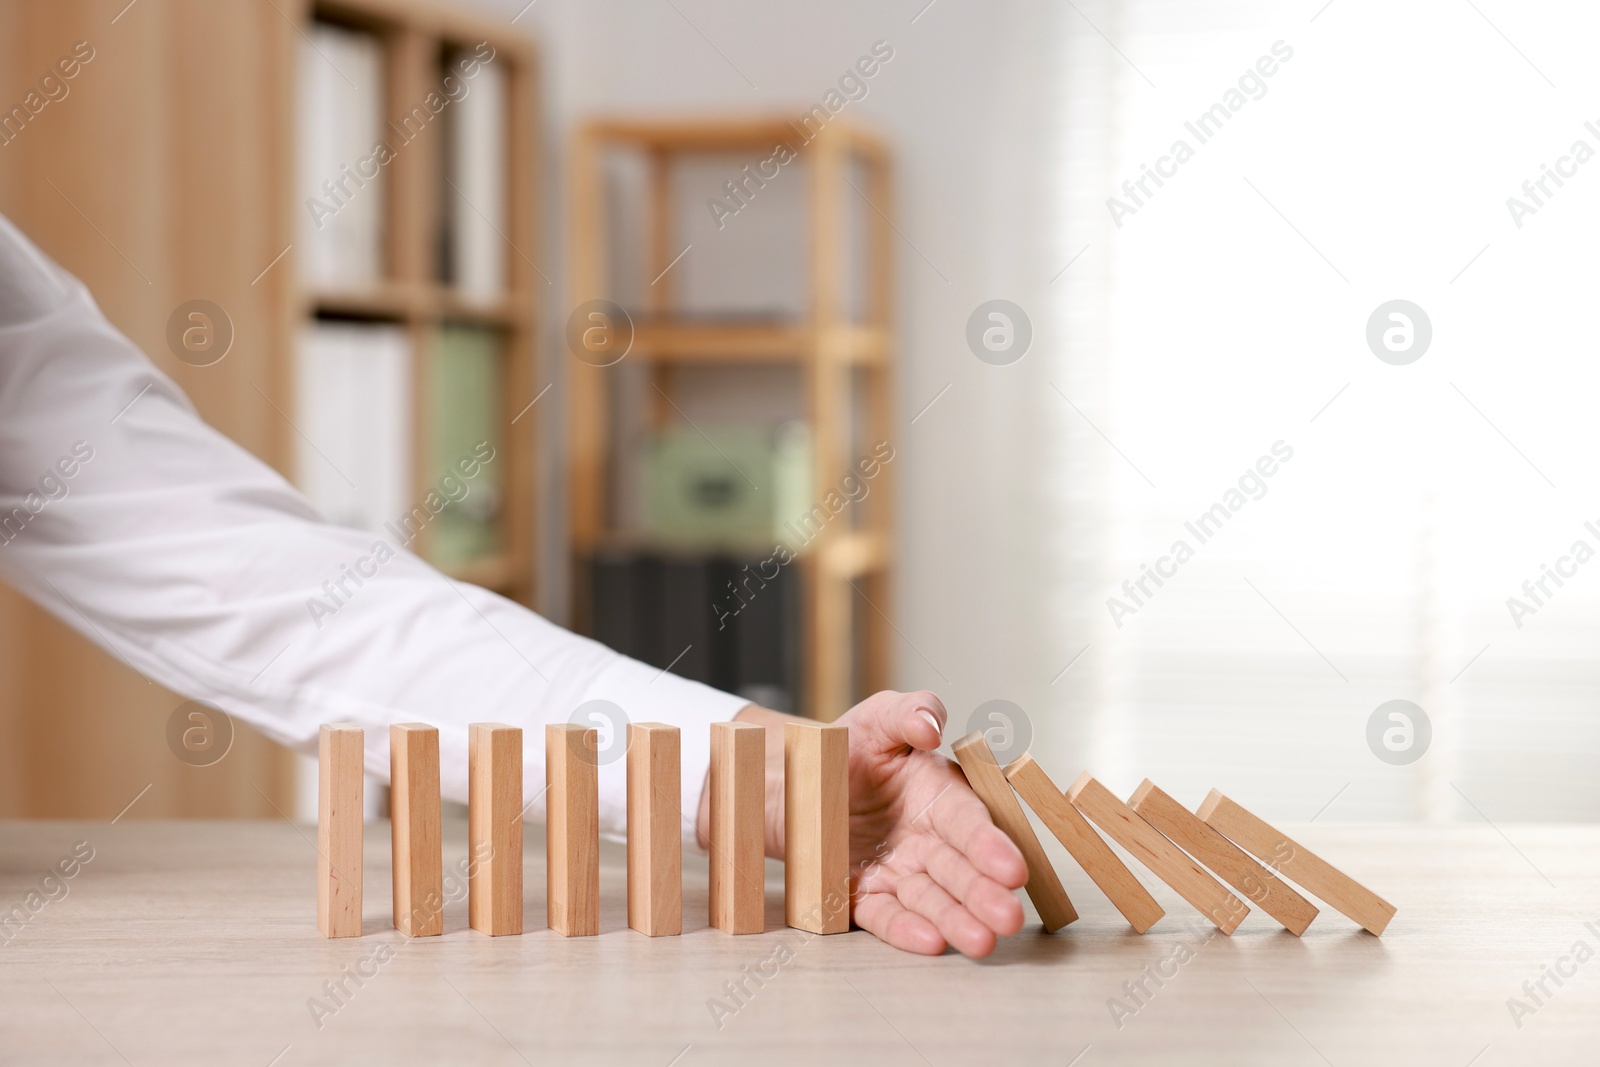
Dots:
{"x": 466, "y": 394}
{"x": 729, "y": 487}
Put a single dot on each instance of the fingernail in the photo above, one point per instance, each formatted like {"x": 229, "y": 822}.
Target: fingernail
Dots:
{"x": 932, "y": 721}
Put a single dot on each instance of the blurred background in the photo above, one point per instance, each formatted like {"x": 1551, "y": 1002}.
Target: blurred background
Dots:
{"x": 1171, "y": 387}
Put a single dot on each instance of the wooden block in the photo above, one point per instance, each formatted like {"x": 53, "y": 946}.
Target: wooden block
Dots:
{"x": 816, "y": 827}
{"x": 738, "y": 827}
{"x": 1264, "y": 889}
{"x": 572, "y": 829}
{"x": 989, "y": 782}
{"x": 417, "y": 842}
{"x": 1166, "y": 860}
{"x": 494, "y": 827}
{"x": 340, "y": 806}
{"x": 655, "y": 830}
{"x": 1297, "y": 863}
{"x": 1092, "y": 854}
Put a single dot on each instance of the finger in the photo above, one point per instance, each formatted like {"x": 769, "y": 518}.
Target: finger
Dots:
{"x": 959, "y": 926}
{"x": 989, "y": 902}
{"x": 883, "y": 916}
{"x": 915, "y": 719}
{"x": 961, "y": 819}
{"x": 927, "y": 706}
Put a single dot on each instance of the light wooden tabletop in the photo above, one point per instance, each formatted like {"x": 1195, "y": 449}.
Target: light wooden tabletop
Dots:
{"x": 195, "y": 942}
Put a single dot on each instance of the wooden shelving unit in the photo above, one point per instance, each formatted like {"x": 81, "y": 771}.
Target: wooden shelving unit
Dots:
{"x": 168, "y": 176}
{"x": 413, "y": 35}
{"x": 847, "y": 569}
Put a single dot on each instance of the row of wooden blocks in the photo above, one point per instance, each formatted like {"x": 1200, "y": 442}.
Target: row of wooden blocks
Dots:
{"x": 816, "y": 797}
{"x": 1170, "y": 840}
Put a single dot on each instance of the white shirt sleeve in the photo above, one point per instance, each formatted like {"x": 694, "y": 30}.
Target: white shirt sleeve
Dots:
{"x": 167, "y": 544}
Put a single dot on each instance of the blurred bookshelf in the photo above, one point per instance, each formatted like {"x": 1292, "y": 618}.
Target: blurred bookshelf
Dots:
{"x": 178, "y": 172}
{"x": 758, "y": 376}
{"x": 414, "y": 297}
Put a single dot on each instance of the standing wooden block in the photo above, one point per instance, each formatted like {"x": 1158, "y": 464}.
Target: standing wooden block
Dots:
{"x": 340, "y": 806}
{"x": 816, "y": 827}
{"x": 738, "y": 827}
{"x": 572, "y": 829}
{"x": 417, "y": 845}
{"x": 1092, "y": 854}
{"x": 1223, "y": 858}
{"x": 1165, "y": 859}
{"x": 1297, "y": 863}
{"x": 494, "y": 827}
{"x": 989, "y": 782}
{"x": 655, "y": 830}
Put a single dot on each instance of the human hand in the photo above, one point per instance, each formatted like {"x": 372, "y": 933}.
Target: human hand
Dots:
{"x": 928, "y": 868}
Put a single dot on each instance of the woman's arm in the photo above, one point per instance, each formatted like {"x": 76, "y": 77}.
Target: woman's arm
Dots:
{"x": 161, "y": 540}
{"x": 164, "y": 542}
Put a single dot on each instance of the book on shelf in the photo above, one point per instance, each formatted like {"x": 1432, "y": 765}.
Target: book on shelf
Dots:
{"x": 353, "y": 413}
{"x": 764, "y": 616}
{"x": 466, "y": 398}
{"x": 340, "y": 182}
{"x": 730, "y": 621}
{"x": 475, "y": 198}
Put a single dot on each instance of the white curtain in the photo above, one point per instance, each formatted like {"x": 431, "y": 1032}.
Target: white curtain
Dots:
{"x": 1353, "y": 154}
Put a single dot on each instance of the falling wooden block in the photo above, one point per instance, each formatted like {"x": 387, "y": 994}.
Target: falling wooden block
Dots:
{"x": 494, "y": 827}
{"x": 1223, "y": 858}
{"x": 738, "y": 827}
{"x": 1297, "y": 863}
{"x": 572, "y": 828}
{"x": 416, "y": 841}
{"x": 816, "y": 821}
{"x": 340, "y": 807}
{"x": 1166, "y": 860}
{"x": 1079, "y": 838}
{"x": 655, "y": 830}
{"x": 989, "y": 782}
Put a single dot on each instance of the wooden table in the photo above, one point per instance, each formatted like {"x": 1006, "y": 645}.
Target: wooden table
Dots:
{"x": 195, "y": 942}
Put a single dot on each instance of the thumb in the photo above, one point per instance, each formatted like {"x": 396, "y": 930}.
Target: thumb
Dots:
{"x": 915, "y": 719}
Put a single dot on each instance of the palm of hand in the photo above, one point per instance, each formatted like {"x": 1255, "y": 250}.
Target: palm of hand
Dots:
{"x": 928, "y": 867}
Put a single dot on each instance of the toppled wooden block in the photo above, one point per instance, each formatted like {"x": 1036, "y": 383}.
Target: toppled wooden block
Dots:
{"x": 1079, "y": 838}
{"x": 1166, "y": 860}
{"x": 989, "y": 782}
{"x": 1223, "y": 858}
{"x": 1297, "y": 863}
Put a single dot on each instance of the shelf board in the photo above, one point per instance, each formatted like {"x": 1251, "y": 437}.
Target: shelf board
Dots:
{"x": 866, "y": 346}
{"x": 377, "y": 302}
{"x": 508, "y": 311}
{"x": 852, "y": 554}
{"x": 392, "y": 301}
{"x": 688, "y": 341}
{"x": 760, "y": 132}
{"x": 847, "y": 555}
{"x": 629, "y": 542}
{"x": 427, "y": 17}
